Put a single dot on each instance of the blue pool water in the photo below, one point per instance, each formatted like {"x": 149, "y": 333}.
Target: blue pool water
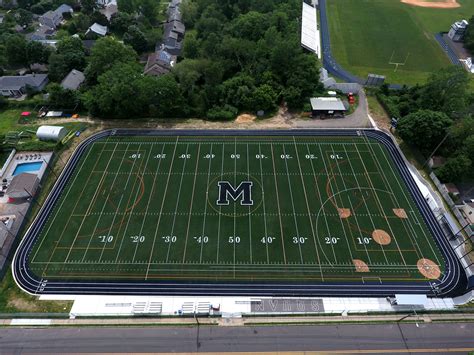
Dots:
{"x": 27, "y": 167}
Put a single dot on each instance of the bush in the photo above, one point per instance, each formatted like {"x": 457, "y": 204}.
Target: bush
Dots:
{"x": 222, "y": 113}
{"x": 387, "y": 103}
{"x": 3, "y": 103}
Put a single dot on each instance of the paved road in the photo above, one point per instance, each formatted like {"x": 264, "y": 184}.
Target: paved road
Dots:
{"x": 379, "y": 339}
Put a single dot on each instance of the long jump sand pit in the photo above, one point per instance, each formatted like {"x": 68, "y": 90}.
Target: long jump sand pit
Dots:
{"x": 441, "y": 4}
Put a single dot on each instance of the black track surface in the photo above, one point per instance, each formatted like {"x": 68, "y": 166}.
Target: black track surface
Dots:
{"x": 453, "y": 282}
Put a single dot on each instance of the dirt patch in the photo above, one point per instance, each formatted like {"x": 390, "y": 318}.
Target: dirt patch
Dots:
{"x": 400, "y": 213}
{"x": 443, "y": 4}
{"x": 360, "y": 265}
{"x": 23, "y": 305}
{"x": 428, "y": 269}
{"x": 344, "y": 212}
{"x": 245, "y": 118}
{"x": 381, "y": 237}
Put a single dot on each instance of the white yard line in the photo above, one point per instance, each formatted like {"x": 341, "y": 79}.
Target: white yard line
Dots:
{"x": 205, "y": 205}
{"x": 220, "y": 208}
{"x": 350, "y": 204}
{"x": 177, "y": 204}
{"x": 149, "y": 200}
{"x": 352, "y": 208}
{"x": 428, "y": 238}
{"x": 278, "y": 205}
{"x": 250, "y": 212}
{"x": 379, "y": 205}
{"x": 133, "y": 207}
{"x": 161, "y": 208}
{"x": 307, "y": 207}
{"x": 293, "y": 205}
{"x": 263, "y": 202}
{"x": 336, "y": 195}
{"x": 105, "y": 204}
{"x": 57, "y": 209}
{"x": 192, "y": 201}
{"x": 90, "y": 206}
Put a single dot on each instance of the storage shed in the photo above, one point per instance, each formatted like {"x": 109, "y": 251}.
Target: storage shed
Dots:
{"x": 51, "y": 133}
{"x": 322, "y": 107}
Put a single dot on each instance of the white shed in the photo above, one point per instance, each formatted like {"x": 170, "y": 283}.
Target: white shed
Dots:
{"x": 51, "y": 133}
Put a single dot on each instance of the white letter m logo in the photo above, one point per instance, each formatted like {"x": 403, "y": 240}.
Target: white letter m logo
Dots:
{"x": 242, "y": 192}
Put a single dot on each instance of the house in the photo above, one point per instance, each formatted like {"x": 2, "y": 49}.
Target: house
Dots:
{"x": 8, "y": 3}
{"x": 327, "y": 107}
{"x": 159, "y": 63}
{"x": 436, "y": 162}
{"x": 457, "y": 31}
{"x": 22, "y": 187}
{"x": 174, "y": 14}
{"x": 452, "y": 189}
{"x": 110, "y": 9}
{"x": 51, "y": 19}
{"x": 73, "y": 80}
{"x": 41, "y": 34}
{"x": 2, "y": 16}
{"x": 64, "y": 9}
{"x": 467, "y": 209}
{"x": 97, "y": 29}
{"x": 103, "y": 2}
{"x": 173, "y": 37}
{"x": 15, "y": 86}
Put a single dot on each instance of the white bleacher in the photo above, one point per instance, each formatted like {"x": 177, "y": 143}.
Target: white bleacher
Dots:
{"x": 310, "y": 36}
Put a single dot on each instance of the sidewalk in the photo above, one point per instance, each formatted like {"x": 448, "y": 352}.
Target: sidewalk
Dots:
{"x": 244, "y": 321}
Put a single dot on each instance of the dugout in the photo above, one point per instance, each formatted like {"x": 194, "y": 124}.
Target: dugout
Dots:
{"x": 327, "y": 107}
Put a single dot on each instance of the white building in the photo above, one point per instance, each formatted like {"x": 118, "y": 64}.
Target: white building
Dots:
{"x": 457, "y": 30}
{"x": 51, "y": 133}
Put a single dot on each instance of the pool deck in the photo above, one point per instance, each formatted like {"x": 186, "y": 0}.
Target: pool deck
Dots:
{"x": 28, "y": 157}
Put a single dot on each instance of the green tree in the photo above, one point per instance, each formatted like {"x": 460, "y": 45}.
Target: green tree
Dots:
{"x": 126, "y": 6}
{"x": 88, "y": 6}
{"x": 60, "y": 64}
{"x": 37, "y": 53}
{"x": 135, "y": 38}
{"x": 62, "y": 98}
{"x": 264, "y": 98}
{"x": 15, "y": 48}
{"x": 424, "y": 129}
{"x": 120, "y": 22}
{"x": 105, "y": 54}
{"x": 455, "y": 168}
{"x": 446, "y": 91}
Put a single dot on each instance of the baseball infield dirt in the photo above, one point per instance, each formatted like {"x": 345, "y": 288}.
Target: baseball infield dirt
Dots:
{"x": 344, "y": 212}
{"x": 428, "y": 269}
{"x": 400, "y": 213}
{"x": 381, "y": 237}
{"x": 360, "y": 265}
{"x": 442, "y": 4}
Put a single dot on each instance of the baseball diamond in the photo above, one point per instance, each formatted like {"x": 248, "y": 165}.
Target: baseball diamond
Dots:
{"x": 236, "y": 212}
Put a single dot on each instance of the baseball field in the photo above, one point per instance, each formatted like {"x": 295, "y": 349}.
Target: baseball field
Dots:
{"x": 391, "y": 38}
{"x": 236, "y": 208}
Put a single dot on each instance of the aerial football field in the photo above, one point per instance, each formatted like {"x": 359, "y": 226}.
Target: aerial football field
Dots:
{"x": 236, "y": 208}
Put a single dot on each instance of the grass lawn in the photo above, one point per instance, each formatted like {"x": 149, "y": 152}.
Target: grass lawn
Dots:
{"x": 321, "y": 208}
{"x": 368, "y": 34}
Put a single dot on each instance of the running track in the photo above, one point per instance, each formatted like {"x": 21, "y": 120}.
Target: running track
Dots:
{"x": 453, "y": 281}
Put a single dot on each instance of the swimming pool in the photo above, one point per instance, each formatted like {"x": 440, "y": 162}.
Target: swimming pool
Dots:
{"x": 27, "y": 167}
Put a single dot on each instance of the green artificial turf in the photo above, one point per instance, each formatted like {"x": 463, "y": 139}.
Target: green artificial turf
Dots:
{"x": 145, "y": 208}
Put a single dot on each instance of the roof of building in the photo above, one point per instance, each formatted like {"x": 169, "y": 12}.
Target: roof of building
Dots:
{"x": 327, "y": 104}
{"x": 63, "y": 8}
{"x": 18, "y": 82}
{"x": 450, "y": 187}
{"x": 20, "y": 183}
{"x": 159, "y": 62}
{"x": 50, "y": 15}
{"x": 73, "y": 80}
{"x": 98, "y": 29}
